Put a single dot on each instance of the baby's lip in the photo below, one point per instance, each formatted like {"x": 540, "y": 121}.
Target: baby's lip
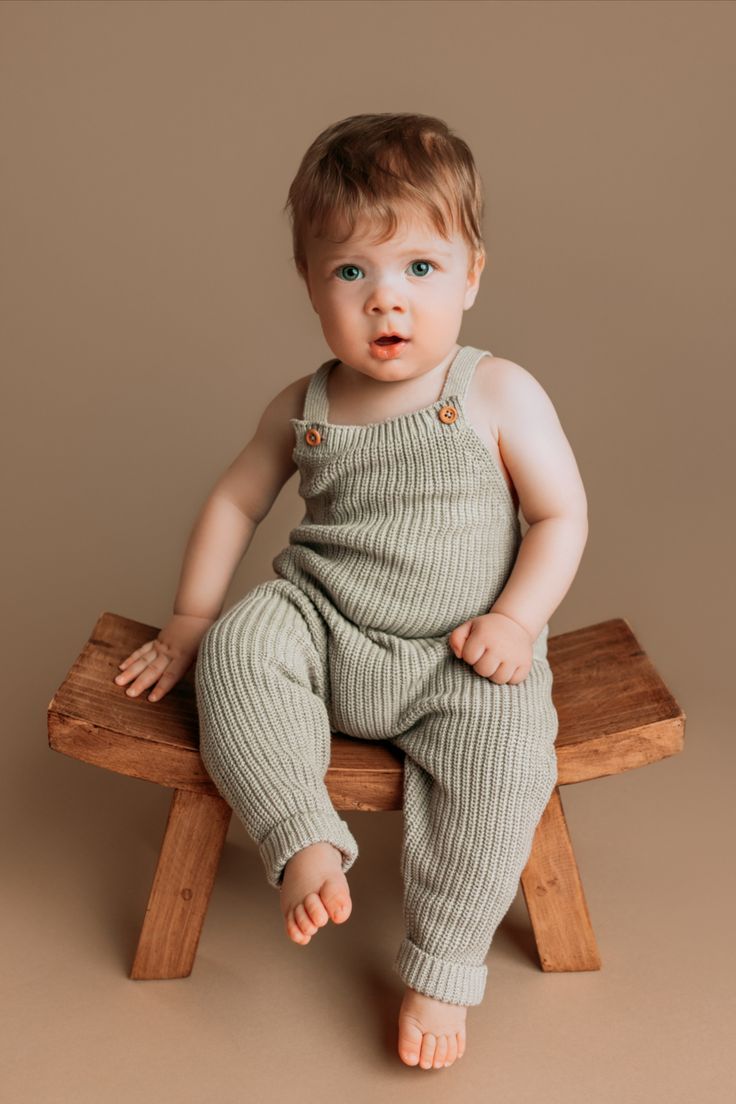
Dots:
{"x": 391, "y": 333}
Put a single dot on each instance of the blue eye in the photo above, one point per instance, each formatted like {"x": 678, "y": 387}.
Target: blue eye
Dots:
{"x": 421, "y": 263}
{"x": 349, "y": 268}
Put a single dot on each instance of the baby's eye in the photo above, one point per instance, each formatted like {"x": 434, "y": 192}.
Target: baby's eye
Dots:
{"x": 421, "y": 263}
{"x": 351, "y": 268}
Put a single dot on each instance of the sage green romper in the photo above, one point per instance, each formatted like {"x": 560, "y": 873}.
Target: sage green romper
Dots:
{"x": 409, "y": 531}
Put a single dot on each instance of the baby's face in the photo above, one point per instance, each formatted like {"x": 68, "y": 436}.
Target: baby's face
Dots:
{"x": 417, "y": 284}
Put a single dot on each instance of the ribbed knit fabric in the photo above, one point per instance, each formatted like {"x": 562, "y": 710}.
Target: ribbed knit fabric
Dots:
{"x": 409, "y": 530}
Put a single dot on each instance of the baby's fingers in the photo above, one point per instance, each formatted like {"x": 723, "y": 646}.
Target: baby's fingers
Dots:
{"x": 144, "y": 648}
{"x": 135, "y": 668}
{"x": 168, "y": 679}
{"x": 147, "y": 673}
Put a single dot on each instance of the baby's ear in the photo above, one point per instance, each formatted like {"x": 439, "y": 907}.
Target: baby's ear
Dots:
{"x": 473, "y": 282}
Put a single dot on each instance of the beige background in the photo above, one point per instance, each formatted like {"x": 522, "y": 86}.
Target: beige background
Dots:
{"x": 149, "y": 311}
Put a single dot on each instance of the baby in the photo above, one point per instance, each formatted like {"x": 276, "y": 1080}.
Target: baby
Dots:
{"x": 406, "y": 607}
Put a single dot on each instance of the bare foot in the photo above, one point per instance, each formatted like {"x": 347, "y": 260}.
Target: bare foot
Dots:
{"x": 431, "y": 1032}
{"x": 313, "y": 891}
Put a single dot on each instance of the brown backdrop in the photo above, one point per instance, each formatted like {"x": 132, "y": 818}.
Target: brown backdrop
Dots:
{"x": 149, "y": 311}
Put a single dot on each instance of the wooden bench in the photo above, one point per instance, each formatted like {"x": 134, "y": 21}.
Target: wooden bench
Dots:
{"x": 614, "y": 710}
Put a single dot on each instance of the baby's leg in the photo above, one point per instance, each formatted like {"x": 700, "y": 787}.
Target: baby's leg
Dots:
{"x": 479, "y": 771}
{"x": 265, "y": 742}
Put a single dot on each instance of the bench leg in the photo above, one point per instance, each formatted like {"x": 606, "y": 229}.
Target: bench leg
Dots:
{"x": 554, "y": 897}
{"x": 185, "y": 873}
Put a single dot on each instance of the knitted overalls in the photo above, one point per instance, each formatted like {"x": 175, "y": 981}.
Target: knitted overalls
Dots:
{"x": 409, "y": 530}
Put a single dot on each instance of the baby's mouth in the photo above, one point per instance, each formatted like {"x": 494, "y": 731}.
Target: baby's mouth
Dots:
{"x": 389, "y": 340}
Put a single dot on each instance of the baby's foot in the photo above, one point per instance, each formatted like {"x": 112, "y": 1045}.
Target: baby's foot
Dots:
{"x": 431, "y": 1032}
{"x": 313, "y": 891}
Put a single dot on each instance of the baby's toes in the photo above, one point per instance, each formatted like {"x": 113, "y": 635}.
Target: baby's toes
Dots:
{"x": 451, "y": 1049}
{"x": 293, "y": 929}
{"x": 302, "y": 919}
{"x": 440, "y": 1054}
{"x": 429, "y": 1045}
{"x": 316, "y": 910}
{"x": 460, "y": 1043}
{"x": 410, "y": 1043}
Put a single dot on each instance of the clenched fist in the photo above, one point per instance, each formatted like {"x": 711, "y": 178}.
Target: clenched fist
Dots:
{"x": 495, "y": 646}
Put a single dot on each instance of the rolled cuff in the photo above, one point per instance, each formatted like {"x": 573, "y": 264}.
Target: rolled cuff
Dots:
{"x": 446, "y": 981}
{"x": 299, "y": 831}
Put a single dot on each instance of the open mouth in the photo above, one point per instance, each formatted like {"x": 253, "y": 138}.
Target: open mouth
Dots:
{"x": 394, "y": 340}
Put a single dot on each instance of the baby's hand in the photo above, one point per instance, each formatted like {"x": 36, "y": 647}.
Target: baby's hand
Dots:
{"x": 494, "y": 646}
{"x": 166, "y": 659}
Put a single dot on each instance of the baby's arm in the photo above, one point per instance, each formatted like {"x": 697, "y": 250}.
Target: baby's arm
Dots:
{"x": 222, "y": 532}
{"x": 237, "y": 504}
{"x": 552, "y": 499}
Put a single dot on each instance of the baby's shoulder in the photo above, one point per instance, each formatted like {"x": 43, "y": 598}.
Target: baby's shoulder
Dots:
{"x": 507, "y": 388}
{"x": 499, "y": 372}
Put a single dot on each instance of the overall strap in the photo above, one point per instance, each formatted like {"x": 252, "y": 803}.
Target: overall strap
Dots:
{"x": 316, "y": 407}
{"x": 461, "y": 371}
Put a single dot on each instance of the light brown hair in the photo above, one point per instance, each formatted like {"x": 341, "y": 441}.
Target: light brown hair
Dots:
{"x": 378, "y": 167}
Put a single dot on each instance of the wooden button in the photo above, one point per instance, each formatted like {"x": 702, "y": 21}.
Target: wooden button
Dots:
{"x": 312, "y": 436}
{"x": 447, "y": 414}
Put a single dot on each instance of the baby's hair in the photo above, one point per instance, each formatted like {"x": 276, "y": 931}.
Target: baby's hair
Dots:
{"x": 376, "y": 167}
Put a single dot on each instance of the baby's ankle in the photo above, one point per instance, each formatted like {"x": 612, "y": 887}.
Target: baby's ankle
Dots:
{"x": 320, "y": 852}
